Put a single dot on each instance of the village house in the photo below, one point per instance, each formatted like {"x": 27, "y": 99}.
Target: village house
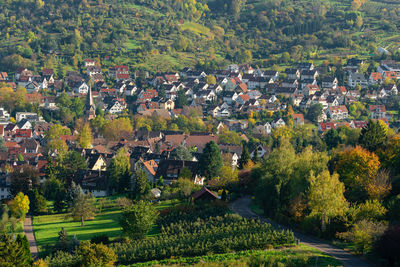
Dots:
{"x": 357, "y": 78}
{"x": 337, "y": 112}
{"x": 377, "y": 111}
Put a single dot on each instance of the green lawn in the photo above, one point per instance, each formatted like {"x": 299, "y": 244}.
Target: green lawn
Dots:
{"x": 46, "y": 227}
{"x": 299, "y": 255}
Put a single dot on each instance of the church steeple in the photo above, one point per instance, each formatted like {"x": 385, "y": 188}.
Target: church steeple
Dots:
{"x": 90, "y": 108}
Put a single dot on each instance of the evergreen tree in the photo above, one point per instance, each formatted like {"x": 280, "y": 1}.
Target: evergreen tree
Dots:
{"x": 60, "y": 201}
{"x": 374, "y": 135}
{"x": 181, "y": 99}
{"x": 210, "y": 161}
{"x": 140, "y": 182}
{"x": 23, "y": 242}
{"x": 62, "y": 241}
{"x": 73, "y": 192}
{"x": 11, "y": 252}
{"x": 245, "y": 157}
{"x": 37, "y": 203}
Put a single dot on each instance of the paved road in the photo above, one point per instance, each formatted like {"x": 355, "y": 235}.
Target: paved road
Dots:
{"x": 242, "y": 207}
{"x": 30, "y": 235}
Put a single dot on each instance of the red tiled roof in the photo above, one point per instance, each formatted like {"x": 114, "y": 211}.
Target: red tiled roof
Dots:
{"x": 376, "y": 76}
{"x": 373, "y": 108}
{"x": 326, "y": 126}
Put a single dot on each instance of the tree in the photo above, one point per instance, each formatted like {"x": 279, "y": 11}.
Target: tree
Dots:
{"x": 4, "y": 219}
{"x": 314, "y": 112}
{"x": 56, "y": 131}
{"x": 332, "y": 138}
{"x": 371, "y": 210}
{"x": 119, "y": 170}
{"x": 374, "y": 135}
{"x": 380, "y": 185}
{"x": 210, "y": 79}
{"x": 12, "y": 253}
{"x": 60, "y": 200}
{"x": 24, "y": 179}
{"x": 83, "y": 208}
{"x": 69, "y": 165}
{"x": 3, "y": 148}
{"x": 325, "y": 196}
{"x": 20, "y": 206}
{"x": 181, "y": 99}
{"x": 140, "y": 181}
{"x": 228, "y": 176}
{"x": 37, "y": 203}
{"x": 63, "y": 242}
{"x": 182, "y": 153}
{"x": 245, "y": 157}
{"x": 114, "y": 129}
{"x": 357, "y": 168}
{"x": 230, "y": 137}
{"x": 23, "y": 242}
{"x": 85, "y": 136}
{"x": 51, "y": 187}
{"x": 137, "y": 221}
{"x": 210, "y": 161}
{"x": 186, "y": 173}
{"x": 96, "y": 255}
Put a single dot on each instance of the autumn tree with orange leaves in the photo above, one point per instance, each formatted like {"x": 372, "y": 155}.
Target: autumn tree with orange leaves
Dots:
{"x": 357, "y": 168}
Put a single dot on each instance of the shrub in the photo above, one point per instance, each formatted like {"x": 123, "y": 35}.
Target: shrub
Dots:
{"x": 364, "y": 234}
{"x": 100, "y": 239}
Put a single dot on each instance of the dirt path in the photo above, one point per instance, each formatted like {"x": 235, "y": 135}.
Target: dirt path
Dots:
{"x": 242, "y": 207}
{"x": 30, "y": 235}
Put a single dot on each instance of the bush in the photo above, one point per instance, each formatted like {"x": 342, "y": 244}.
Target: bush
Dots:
{"x": 364, "y": 234}
{"x": 103, "y": 239}
{"x": 63, "y": 259}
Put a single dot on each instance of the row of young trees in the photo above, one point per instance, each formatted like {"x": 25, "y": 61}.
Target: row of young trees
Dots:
{"x": 213, "y": 235}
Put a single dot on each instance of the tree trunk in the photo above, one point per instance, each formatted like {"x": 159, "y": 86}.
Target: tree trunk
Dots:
{"x": 323, "y": 223}
{"x": 82, "y": 221}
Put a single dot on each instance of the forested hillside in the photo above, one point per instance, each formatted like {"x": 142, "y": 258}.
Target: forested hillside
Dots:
{"x": 170, "y": 34}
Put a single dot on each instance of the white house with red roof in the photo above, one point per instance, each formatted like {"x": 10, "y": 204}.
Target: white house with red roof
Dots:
{"x": 337, "y": 112}
{"x": 377, "y": 111}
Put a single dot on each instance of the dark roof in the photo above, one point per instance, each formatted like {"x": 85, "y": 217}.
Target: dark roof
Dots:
{"x": 170, "y": 168}
{"x": 204, "y": 194}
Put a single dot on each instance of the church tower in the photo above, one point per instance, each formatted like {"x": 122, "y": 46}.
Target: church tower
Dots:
{"x": 90, "y": 108}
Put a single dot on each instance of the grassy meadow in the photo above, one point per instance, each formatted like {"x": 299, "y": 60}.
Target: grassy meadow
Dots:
{"x": 46, "y": 227}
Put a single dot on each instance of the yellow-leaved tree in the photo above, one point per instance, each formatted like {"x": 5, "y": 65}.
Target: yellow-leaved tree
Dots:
{"x": 20, "y": 206}
{"x": 325, "y": 196}
{"x": 85, "y": 136}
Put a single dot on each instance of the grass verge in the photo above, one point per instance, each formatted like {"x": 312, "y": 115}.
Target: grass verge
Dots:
{"x": 302, "y": 254}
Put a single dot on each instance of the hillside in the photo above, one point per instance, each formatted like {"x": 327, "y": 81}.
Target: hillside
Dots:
{"x": 169, "y": 34}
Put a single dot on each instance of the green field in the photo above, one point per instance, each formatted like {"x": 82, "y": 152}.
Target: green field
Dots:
{"x": 46, "y": 227}
{"x": 300, "y": 255}
{"x": 197, "y": 28}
